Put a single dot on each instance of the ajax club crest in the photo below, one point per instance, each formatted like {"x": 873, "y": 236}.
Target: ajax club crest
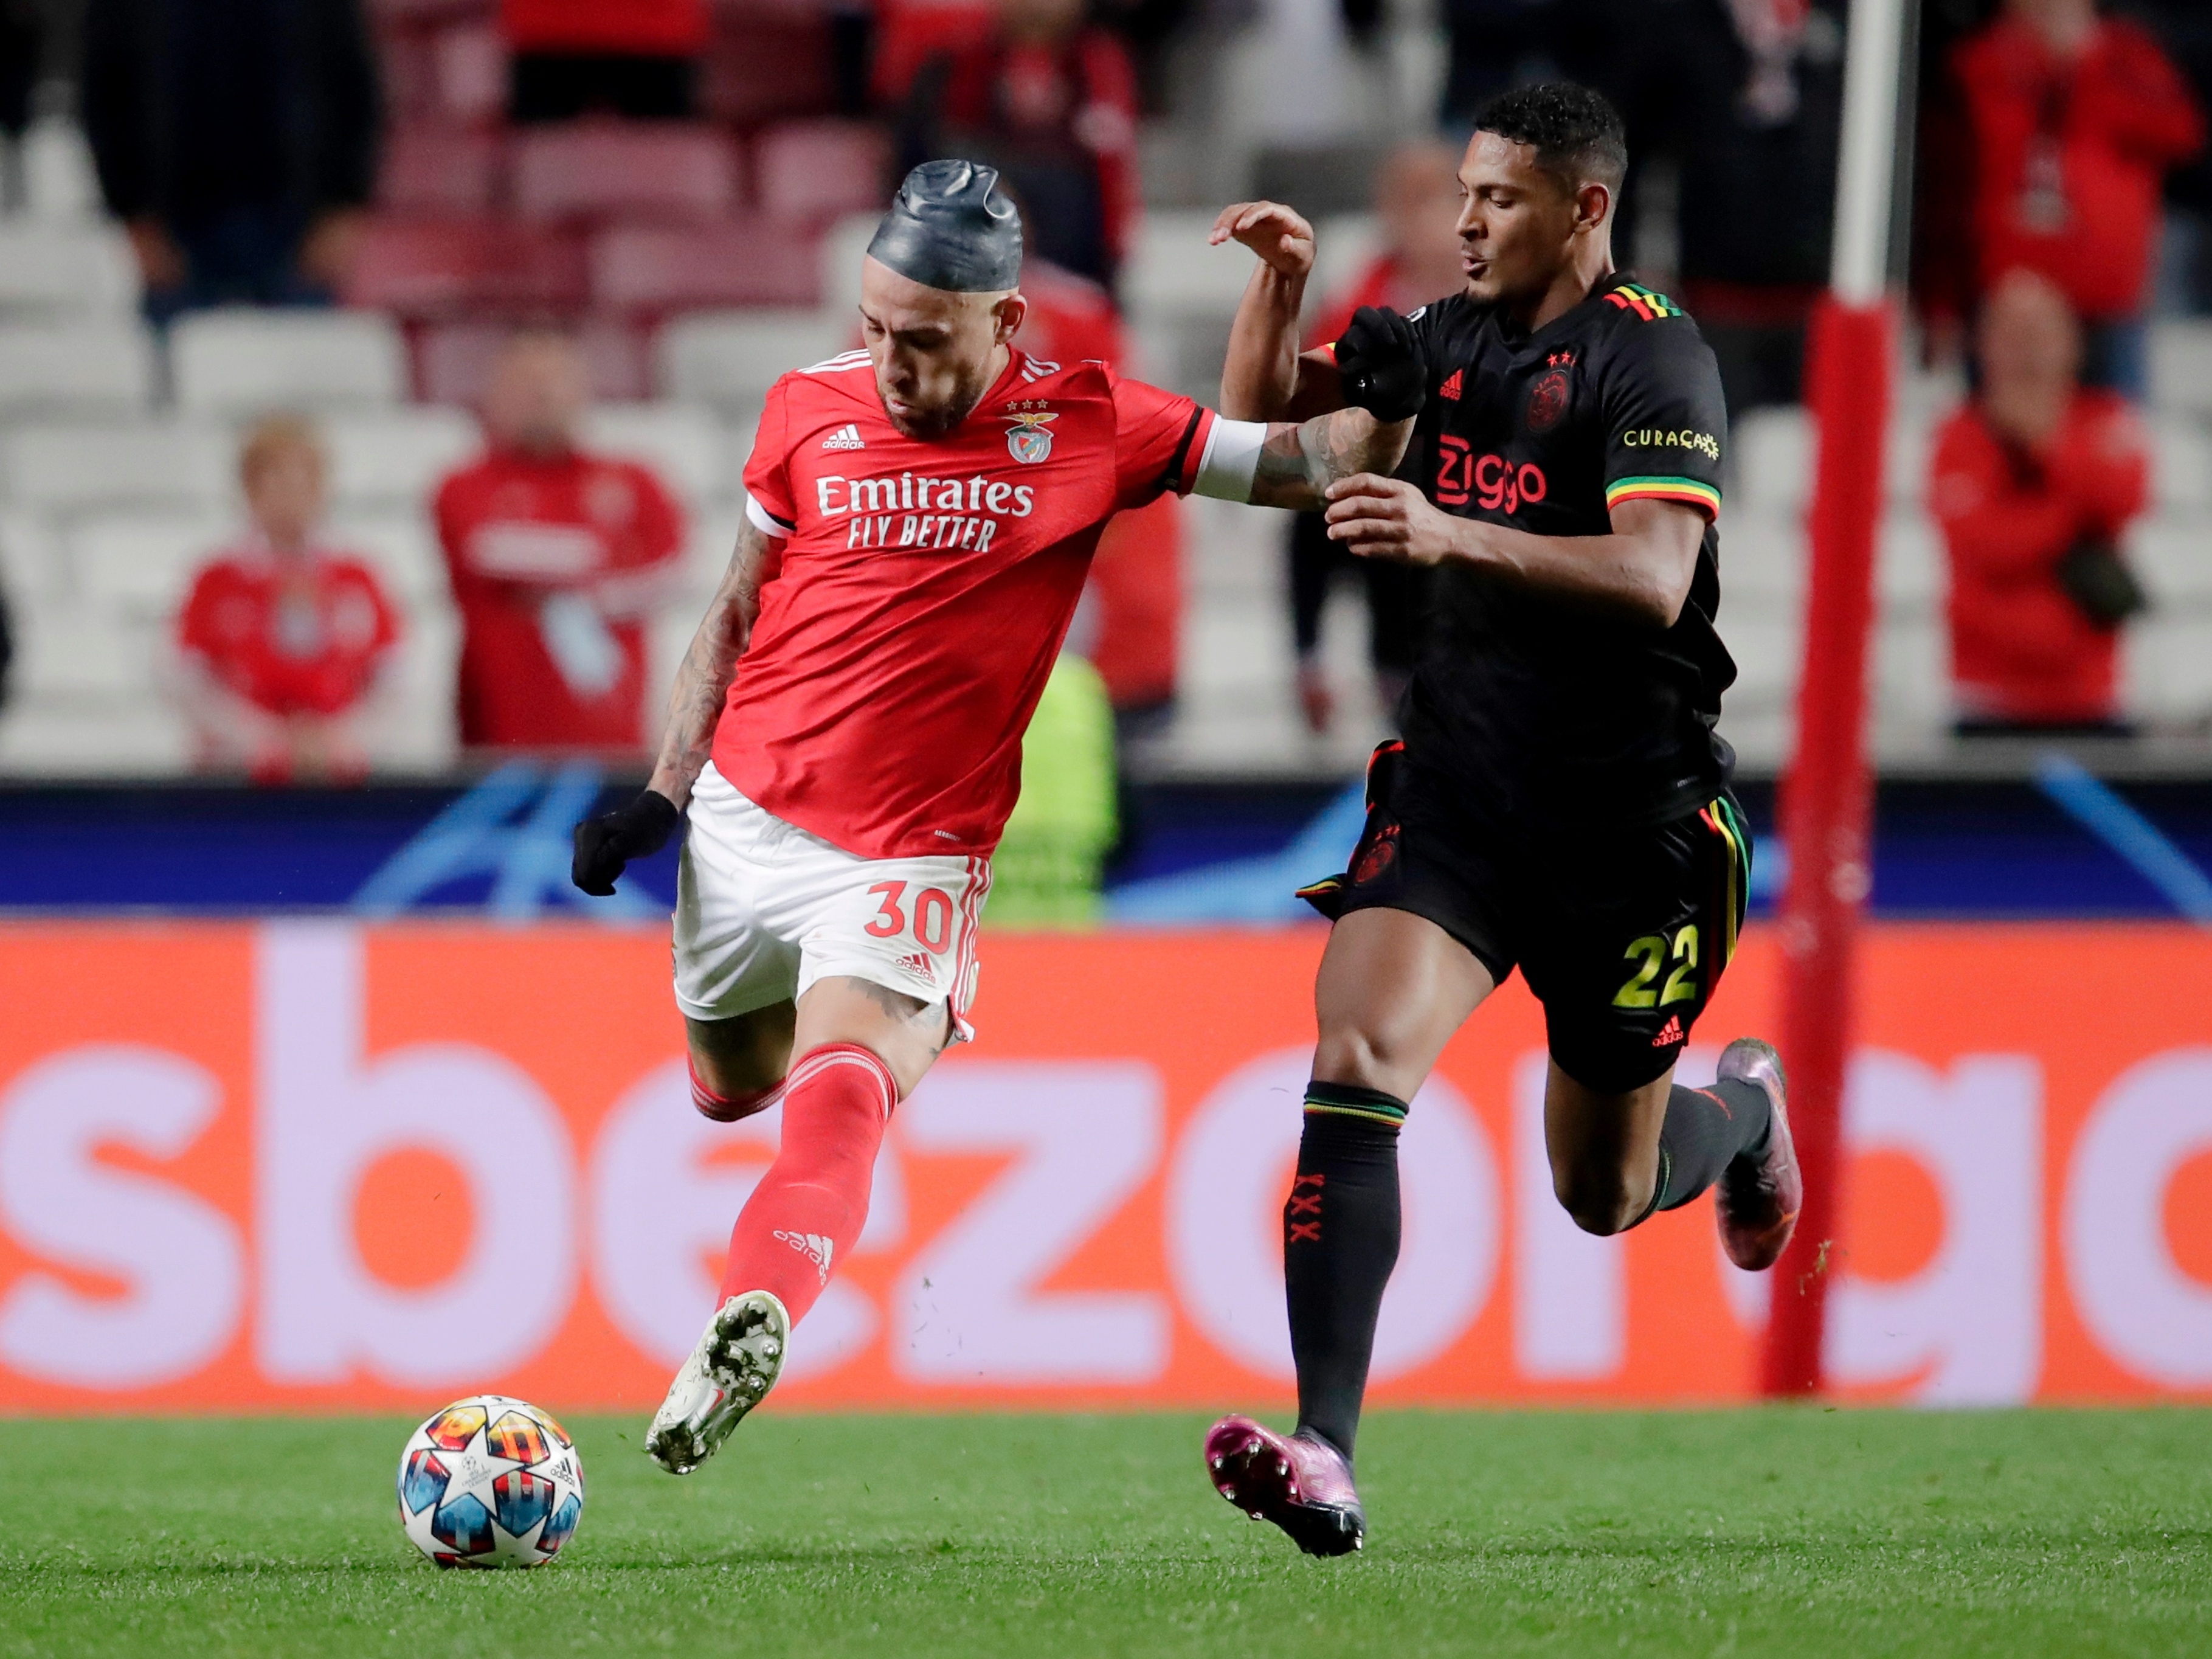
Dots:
{"x": 1027, "y": 439}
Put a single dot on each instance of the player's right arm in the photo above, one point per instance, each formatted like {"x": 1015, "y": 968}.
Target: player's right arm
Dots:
{"x": 1266, "y": 377}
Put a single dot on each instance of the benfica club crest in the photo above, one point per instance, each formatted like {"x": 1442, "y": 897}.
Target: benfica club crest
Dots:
{"x": 1026, "y": 438}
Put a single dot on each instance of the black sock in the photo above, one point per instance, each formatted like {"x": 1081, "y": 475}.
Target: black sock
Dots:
{"x": 1705, "y": 1129}
{"x": 1340, "y": 1243}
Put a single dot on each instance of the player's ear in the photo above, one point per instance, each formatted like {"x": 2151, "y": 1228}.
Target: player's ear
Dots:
{"x": 1593, "y": 206}
{"x": 1008, "y": 314}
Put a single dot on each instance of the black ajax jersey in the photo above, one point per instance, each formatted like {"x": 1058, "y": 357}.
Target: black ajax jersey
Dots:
{"x": 1531, "y": 709}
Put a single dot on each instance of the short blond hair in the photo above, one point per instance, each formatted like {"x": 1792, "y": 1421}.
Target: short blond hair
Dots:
{"x": 273, "y": 433}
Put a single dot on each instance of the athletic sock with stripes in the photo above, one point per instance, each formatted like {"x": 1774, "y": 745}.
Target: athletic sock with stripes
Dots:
{"x": 1705, "y": 1130}
{"x": 807, "y": 1212}
{"x": 1339, "y": 1243}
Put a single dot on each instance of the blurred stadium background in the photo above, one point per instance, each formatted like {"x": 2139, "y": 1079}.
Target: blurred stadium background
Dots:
{"x": 233, "y": 1012}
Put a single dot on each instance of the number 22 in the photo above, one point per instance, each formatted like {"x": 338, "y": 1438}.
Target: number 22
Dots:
{"x": 1651, "y": 951}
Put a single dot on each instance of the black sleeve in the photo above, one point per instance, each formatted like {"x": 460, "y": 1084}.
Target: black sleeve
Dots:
{"x": 352, "y": 112}
{"x": 117, "y": 100}
{"x": 1665, "y": 420}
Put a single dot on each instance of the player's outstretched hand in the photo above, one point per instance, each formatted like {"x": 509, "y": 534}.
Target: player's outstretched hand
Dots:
{"x": 1280, "y": 235}
{"x": 1379, "y": 517}
{"x": 1382, "y": 366}
{"x": 606, "y": 843}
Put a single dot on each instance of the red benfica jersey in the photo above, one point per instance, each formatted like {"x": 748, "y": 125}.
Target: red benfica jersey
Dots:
{"x": 302, "y": 636}
{"x": 554, "y": 563}
{"x": 924, "y": 591}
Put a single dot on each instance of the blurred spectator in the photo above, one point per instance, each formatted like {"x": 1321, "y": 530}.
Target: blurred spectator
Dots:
{"x": 2033, "y": 484}
{"x": 283, "y": 640}
{"x": 1746, "y": 97}
{"x": 1417, "y": 200}
{"x": 1051, "y": 102}
{"x": 1048, "y": 869}
{"x": 237, "y": 141}
{"x": 558, "y": 556}
{"x": 1497, "y": 44}
{"x": 2059, "y": 129}
{"x": 1132, "y": 613}
{"x": 638, "y": 58}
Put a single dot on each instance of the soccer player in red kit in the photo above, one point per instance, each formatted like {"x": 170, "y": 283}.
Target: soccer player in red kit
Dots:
{"x": 921, "y": 515}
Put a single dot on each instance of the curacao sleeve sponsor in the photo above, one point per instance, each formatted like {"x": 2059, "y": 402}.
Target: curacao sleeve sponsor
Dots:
{"x": 768, "y": 501}
{"x": 1159, "y": 441}
{"x": 1665, "y": 419}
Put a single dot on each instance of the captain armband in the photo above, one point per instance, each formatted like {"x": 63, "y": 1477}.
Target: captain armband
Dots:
{"x": 765, "y": 521}
{"x": 1225, "y": 471}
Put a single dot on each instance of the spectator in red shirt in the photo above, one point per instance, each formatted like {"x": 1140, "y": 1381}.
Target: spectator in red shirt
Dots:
{"x": 1051, "y": 101}
{"x": 2033, "y": 482}
{"x": 557, "y": 557}
{"x": 283, "y": 640}
{"x": 2060, "y": 128}
{"x": 638, "y": 58}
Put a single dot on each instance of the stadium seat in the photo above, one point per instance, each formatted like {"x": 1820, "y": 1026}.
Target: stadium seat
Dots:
{"x": 85, "y": 368}
{"x": 1911, "y": 572}
{"x": 2165, "y": 673}
{"x": 1771, "y": 467}
{"x": 438, "y": 171}
{"x": 430, "y": 268}
{"x": 1912, "y": 689}
{"x": 417, "y": 729}
{"x": 454, "y": 360}
{"x": 685, "y": 446}
{"x": 2181, "y": 367}
{"x": 1172, "y": 270}
{"x": 2174, "y": 557}
{"x": 32, "y": 565}
{"x": 843, "y": 245}
{"x": 402, "y": 544}
{"x": 767, "y": 62}
{"x": 731, "y": 358}
{"x": 2181, "y": 464}
{"x": 599, "y": 169}
{"x": 1762, "y": 560}
{"x": 77, "y": 650}
{"x": 141, "y": 736}
{"x": 58, "y": 270}
{"x": 241, "y": 362}
{"x": 468, "y": 62}
{"x": 818, "y": 170}
{"x": 70, "y": 469}
{"x": 395, "y": 459}
{"x": 1768, "y": 648}
{"x": 141, "y": 562}
{"x": 656, "y": 269}
{"x": 1343, "y": 245}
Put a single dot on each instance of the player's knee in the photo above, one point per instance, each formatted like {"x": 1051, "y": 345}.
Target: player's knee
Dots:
{"x": 1360, "y": 1056}
{"x": 1600, "y": 1201}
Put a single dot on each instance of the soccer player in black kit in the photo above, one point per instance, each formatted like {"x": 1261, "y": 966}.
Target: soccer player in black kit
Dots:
{"x": 1559, "y": 801}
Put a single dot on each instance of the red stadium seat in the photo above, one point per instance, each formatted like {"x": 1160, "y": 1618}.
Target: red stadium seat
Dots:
{"x": 821, "y": 169}
{"x": 453, "y": 361}
{"x": 747, "y": 262}
{"x": 448, "y": 268}
{"x": 769, "y": 60}
{"x": 470, "y": 68}
{"x": 439, "y": 171}
{"x": 602, "y": 169}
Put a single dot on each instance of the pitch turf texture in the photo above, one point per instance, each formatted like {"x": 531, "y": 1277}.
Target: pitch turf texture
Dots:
{"x": 1798, "y": 1531}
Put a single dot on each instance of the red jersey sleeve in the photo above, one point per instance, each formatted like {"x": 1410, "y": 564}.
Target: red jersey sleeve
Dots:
{"x": 1159, "y": 438}
{"x": 768, "y": 501}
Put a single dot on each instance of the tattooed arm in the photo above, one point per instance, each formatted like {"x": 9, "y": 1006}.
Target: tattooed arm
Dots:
{"x": 703, "y": 681}
{"x": 1297, "y": 463}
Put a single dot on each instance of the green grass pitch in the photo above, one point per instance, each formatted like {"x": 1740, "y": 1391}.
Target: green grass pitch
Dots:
{"x": 1796, "y": 1532}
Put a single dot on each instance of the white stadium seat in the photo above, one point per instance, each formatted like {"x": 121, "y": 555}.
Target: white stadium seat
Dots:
{"x": 1911, "y": 572}
{"x": 1762, "y": 560}
{"x": 241, "y": 363}
{"x": 684, "y": 444}
{"x": 402, "y": 544}
{"x": 55, "y": 269}
{"x": 731, "y": 358}
{"x": 1343, "y": 247}
{"x": 142, "y": 735}
{"x": 142, "y": 561}
{"x": 92, "y": 368}
{"x": 1771, "y": 469}
{"x": 397, "y": 457}
{"x": 2181, "y": 465}
{"x": 2174, "y": 557}
{"x": 2181, "y": 367}
{"x": 77, "y": 650}
{"x": 1912, "y": 693}
{"x": 32, "y": 565}
{"x": 1172, "y": 270}
{"x": 2167, "y": 666}
{"x": 81, "y": 467}
{"x": 416, "y": 730}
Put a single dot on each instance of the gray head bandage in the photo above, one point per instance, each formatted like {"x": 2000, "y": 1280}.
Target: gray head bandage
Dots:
{"x": 951, "y": 228}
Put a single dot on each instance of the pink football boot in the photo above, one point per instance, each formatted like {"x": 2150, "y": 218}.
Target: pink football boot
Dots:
{"x": 1757, "y": 1203}
{"x": 1301, "y": 1483}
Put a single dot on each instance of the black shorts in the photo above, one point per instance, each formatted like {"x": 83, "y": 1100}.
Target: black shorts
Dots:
{"x": 1622, "y": 932}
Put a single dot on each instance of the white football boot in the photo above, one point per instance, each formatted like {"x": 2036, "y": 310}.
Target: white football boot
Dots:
{"x": 730, "y": 1372}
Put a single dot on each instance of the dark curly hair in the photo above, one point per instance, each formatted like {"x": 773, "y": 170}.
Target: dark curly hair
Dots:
{"x": 1576, "y": 135}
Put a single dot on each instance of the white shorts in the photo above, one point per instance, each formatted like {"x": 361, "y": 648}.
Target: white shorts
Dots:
{"x": 763, "y": 910}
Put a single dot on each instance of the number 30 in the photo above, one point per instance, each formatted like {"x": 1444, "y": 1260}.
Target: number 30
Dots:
{"x": 1651, "y": 952}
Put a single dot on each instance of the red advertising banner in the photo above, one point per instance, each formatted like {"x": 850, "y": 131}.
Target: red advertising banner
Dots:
{"x": 313, "y": 1164}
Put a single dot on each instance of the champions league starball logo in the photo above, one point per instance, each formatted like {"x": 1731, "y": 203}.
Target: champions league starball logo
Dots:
{"x": 1027, "y": 441}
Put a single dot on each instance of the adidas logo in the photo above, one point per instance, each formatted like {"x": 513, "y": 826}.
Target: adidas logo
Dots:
{"x": 919, "y": 966}
{"x": 813, "y": 1246}
{"x": 1454, "y": 384}
{"x": 845, "y": 437}
{"x": 1671, "y": 1032}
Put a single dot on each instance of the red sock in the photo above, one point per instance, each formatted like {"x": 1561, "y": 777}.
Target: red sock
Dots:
{"x": 808, "y": 1208}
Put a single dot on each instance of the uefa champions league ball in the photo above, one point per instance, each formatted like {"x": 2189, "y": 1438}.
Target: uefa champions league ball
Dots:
{"x": 490, "y": 1482}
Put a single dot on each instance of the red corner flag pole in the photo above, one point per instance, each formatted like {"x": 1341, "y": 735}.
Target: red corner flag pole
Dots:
{"x": 1826, "y": 796}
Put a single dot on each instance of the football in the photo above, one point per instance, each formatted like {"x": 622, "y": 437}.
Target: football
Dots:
{"x": 490, "y": 1482}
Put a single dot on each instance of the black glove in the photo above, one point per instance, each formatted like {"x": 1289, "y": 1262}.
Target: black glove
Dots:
{"x": 1379, "y": 361}
{"x": 605, "y": 844}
